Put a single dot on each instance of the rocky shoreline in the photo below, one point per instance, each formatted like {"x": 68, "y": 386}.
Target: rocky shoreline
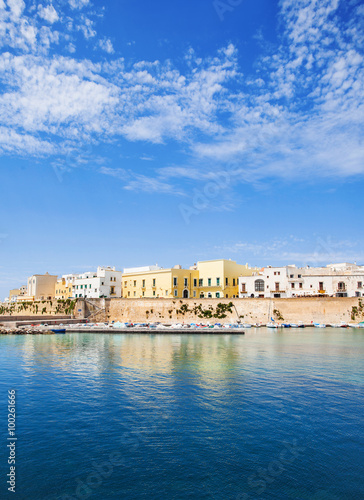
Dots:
{"x": 25, "y": 331}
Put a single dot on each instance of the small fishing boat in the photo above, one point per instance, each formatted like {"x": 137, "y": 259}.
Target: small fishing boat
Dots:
{"x": 272, "y": 325}
{"x": 286, "y": 325}
{"x": 319, "y": 325}
{"x": 59, "y": 330}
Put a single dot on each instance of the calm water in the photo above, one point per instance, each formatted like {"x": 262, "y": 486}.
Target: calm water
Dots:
{"x": 268, "y": 415}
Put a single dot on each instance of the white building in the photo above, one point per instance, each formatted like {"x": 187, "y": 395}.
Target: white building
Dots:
{"x": 106, "y": 282}
{"x": 334, "y": 280}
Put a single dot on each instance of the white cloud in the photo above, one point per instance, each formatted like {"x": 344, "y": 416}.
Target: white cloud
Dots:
{"x": 48, "y": 13}
{"x": 299, "y": 116}
{"x": 106, "y": 45}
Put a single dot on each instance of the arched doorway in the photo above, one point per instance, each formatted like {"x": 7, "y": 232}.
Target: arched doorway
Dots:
{"x": 185, "y": 294}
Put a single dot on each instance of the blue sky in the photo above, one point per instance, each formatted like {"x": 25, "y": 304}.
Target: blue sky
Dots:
{"x": 135, "y": 133}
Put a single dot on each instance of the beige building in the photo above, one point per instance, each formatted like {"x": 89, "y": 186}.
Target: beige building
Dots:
{"x": 207, "y": 279}
{"x": 41, "y": 287}
{"x": 17, "y": 293}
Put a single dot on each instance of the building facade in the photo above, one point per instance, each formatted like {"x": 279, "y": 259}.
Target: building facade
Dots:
{"x": 220, "y": 278}
{"x": 156, "y": 282}
{"x": 206, "y": 279}
{"x": 334, "y": 280}
{"x": 17, "y": 294}
{"x": 105, "y": 282}
{"x": 41, "y": 287}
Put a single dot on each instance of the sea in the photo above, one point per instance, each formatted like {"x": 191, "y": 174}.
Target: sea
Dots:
{"x": 272, "y": 415}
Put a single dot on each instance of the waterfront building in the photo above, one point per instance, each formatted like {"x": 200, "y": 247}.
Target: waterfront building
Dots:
{"x": 105, "y": 282}
{"x": 220, "y": 278}
{"x": 206, "y": 279}
{"x": 17, "y": 293}
{"x": 156, "y": 282}
{"x": 40, "y": 287}
{"x": 334, "y": 280}
{"x": 63, "y": 288}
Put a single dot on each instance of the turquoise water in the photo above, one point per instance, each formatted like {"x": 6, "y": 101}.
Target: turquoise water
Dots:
{"x": 268, "y": 415}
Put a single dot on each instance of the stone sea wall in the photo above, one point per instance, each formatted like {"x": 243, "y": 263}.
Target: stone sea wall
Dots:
{"x": 321, "y": 309}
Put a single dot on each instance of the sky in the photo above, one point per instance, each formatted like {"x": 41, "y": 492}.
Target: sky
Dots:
{"x": 136, "y": 132}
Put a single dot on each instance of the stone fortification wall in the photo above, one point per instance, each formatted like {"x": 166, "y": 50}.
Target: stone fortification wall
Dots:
{"x": 323, "y": 309}
{"x": 41, "y": 309}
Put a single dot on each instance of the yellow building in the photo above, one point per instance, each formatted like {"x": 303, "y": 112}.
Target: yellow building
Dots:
{"x": 154, "y": 282}
{"x": 63, "y": 289}
{"x": 208, "y": 279}
{"x": 219, "y": 278}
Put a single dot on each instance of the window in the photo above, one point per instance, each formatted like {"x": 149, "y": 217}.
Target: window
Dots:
{"x": 209, "y": 295}
{"x": 186, "y": 282}
{"x": 128, "y": 294}
{"x": 321, "y": 285}
{"x": 300, "y": 276}
{"x": 292, "y": 285}
{"x": 125, "y": 284}
{"x": 200, "y": 282}
{"x": 174, "y": 281}
{"x": 134, "y": 282}
{"x": 217, "y": 281}
{"x": 195, "y": 282}
{"x": 102, "y": 282}
{"x": 143, "y": 293}
{"x": 291, "y": 276}
{"x": 153, "y": 293}
{"x": 233, "y": 281}
{"x": 208, "y": 281}
{"x": 143, "y": 283}
{"x": 259, "y": 285}
{"x": 175, "y": 293}
{"x": 194, "y": 293}
{"x": 166, "y": 293}
{"x": 301, "y": 285}
{"x": 134, "y": 294}
{"x": 341, "y": 286}
{"x": 360, "y": 284}
{"x": 217, "y": 295}
{"x": 226, "y": 281}
{"x": 243, "y": 287}
{"x": 153, "y": 281}
{"x": 277, "y": 286}
{"x": 81, "y": 287}
{"x": 112, "y": 290}
{"x": 89, "y": 286}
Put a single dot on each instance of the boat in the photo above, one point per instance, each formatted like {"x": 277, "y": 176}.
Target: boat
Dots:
{"x": 319, "y": 325}
{"x": 246, "y": 325}
{"x": 286, "y": 325}
{"x": 272, "y": 325}
{"x": 59, "y": 330}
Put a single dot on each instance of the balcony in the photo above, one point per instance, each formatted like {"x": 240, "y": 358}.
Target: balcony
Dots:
{"x": 341, "y": 289}
{"x": 322, "y": 291}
